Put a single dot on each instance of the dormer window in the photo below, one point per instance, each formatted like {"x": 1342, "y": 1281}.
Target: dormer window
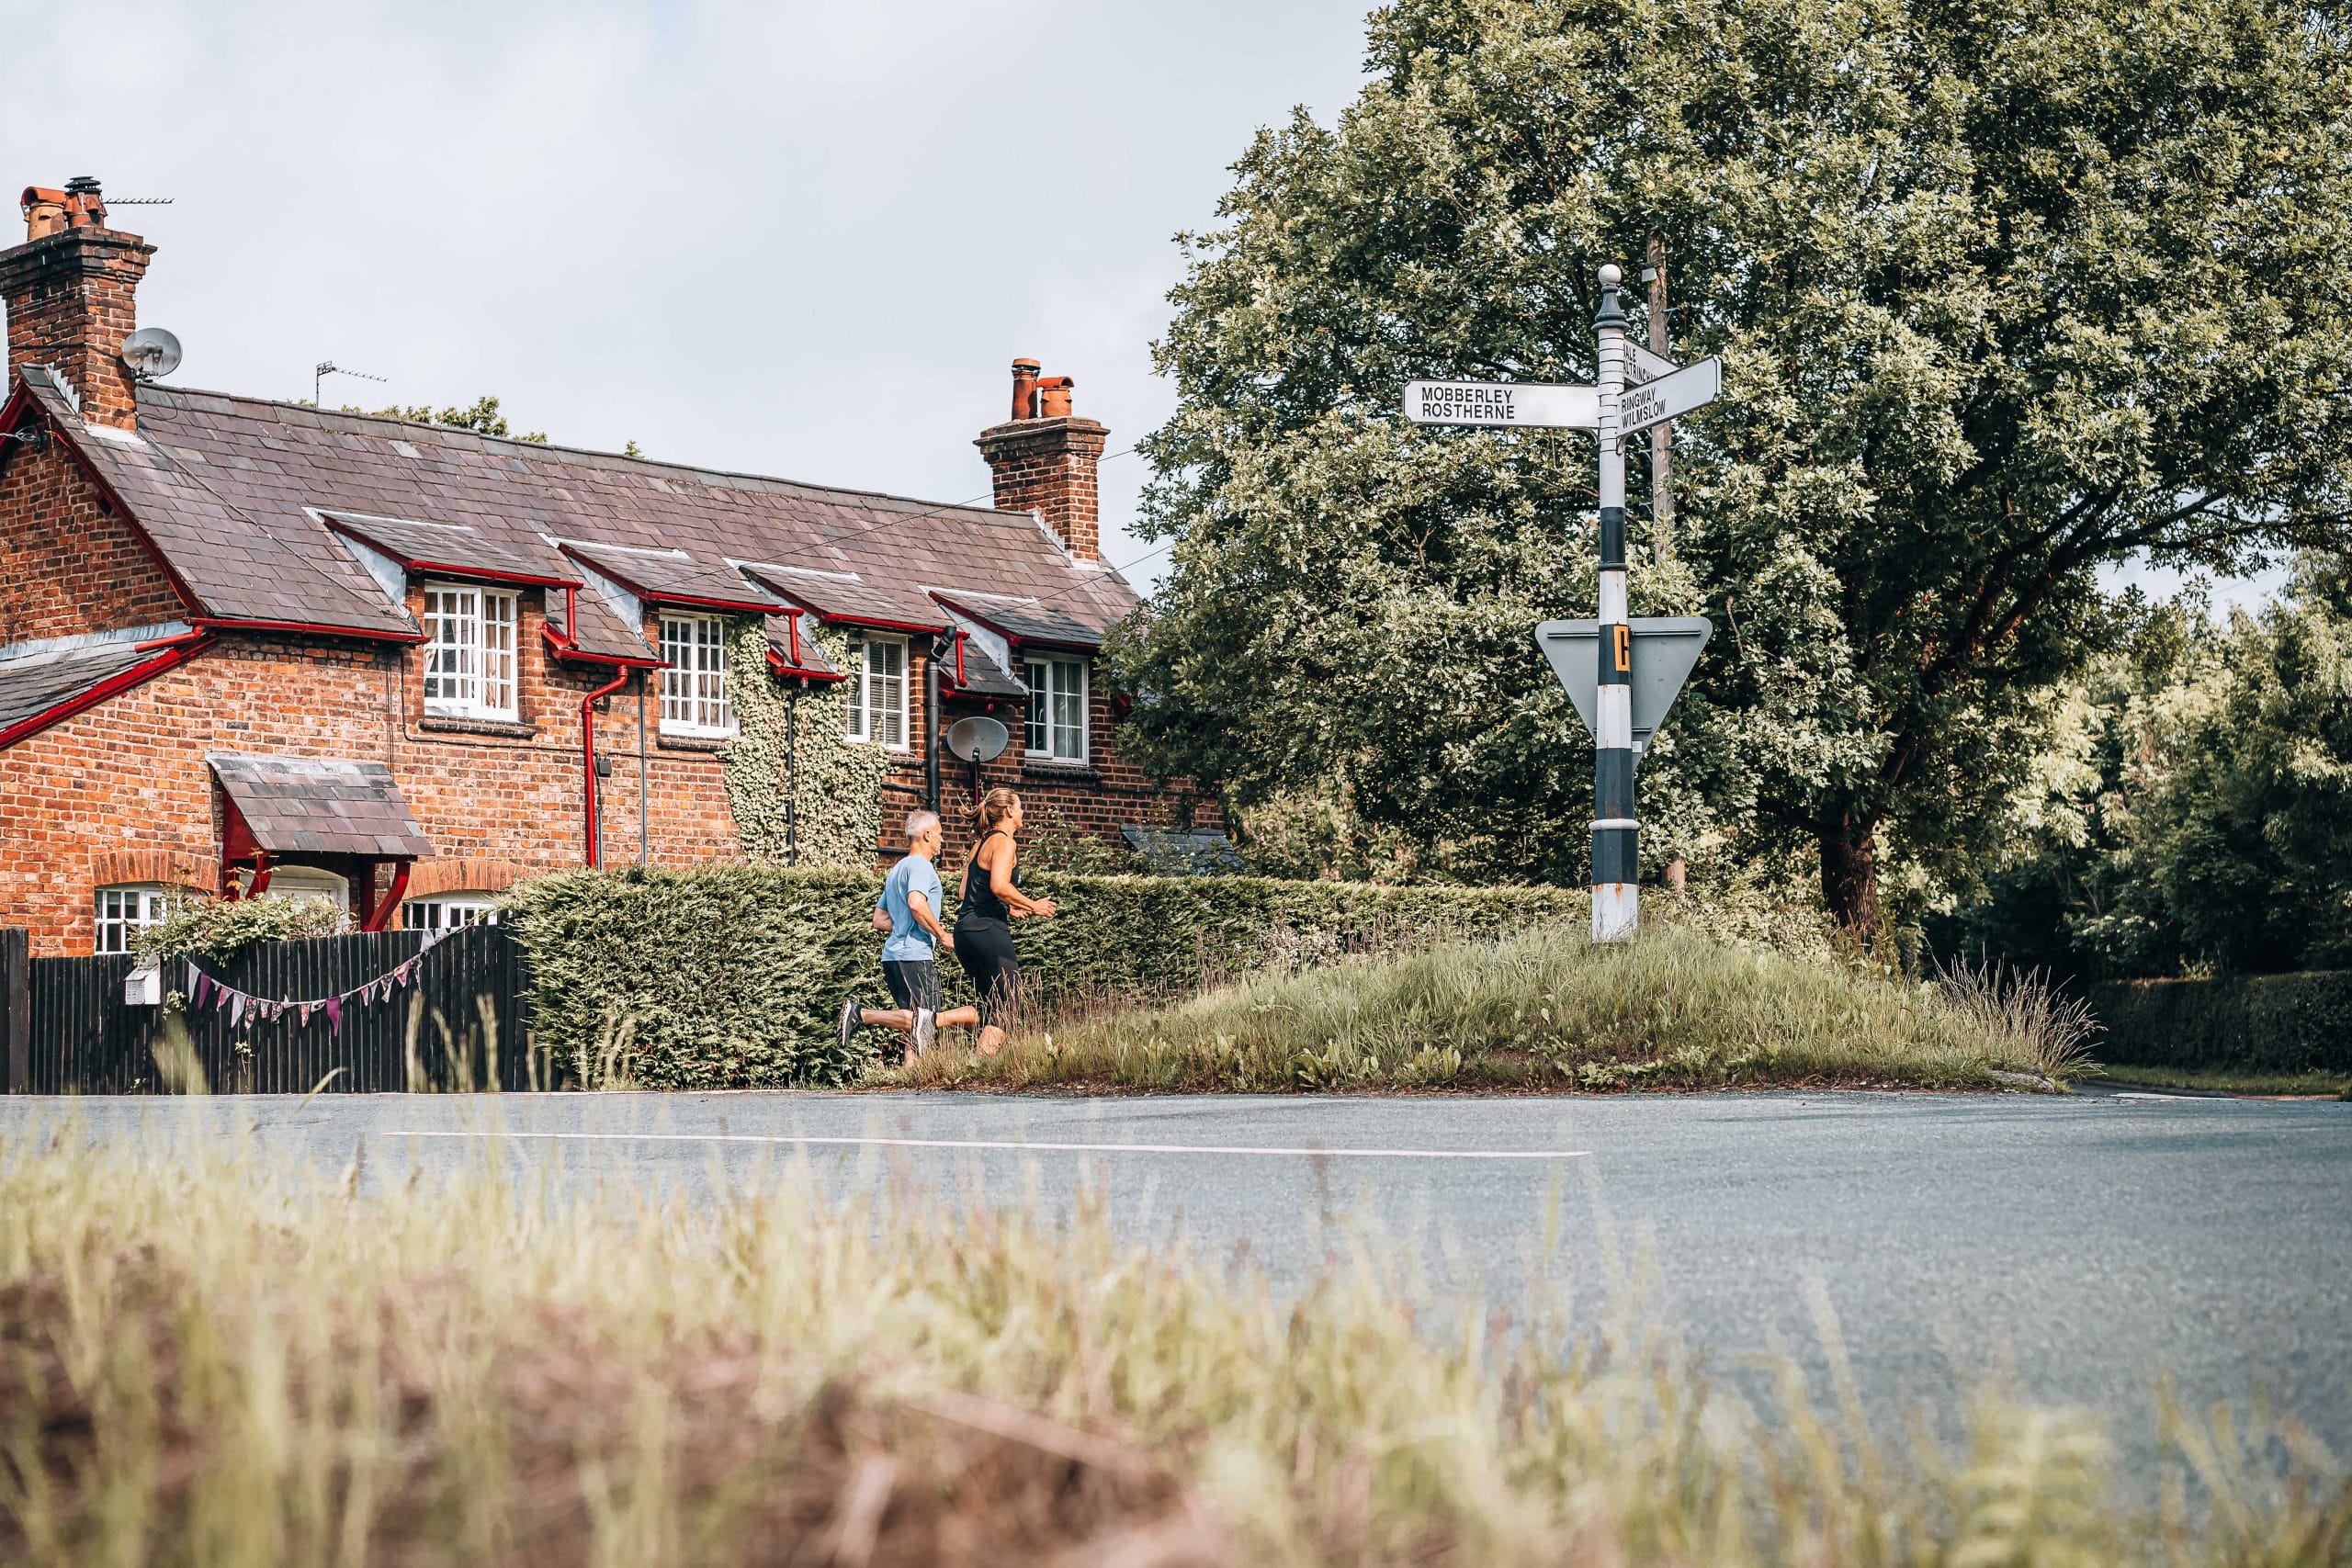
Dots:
{"x": 1057, "y": 727}
{"x": 694, "y": 680}
{"x": 876, "y": 694}
{"x": 469, "y": 652}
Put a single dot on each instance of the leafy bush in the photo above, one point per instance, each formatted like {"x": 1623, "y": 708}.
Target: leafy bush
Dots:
{"x": 219, "y": 927}
{"x": 2278, "y": 1023}
{"x": 728, "y": 977}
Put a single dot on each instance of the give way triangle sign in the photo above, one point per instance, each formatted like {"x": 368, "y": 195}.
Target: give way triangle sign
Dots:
{"x": 1666, "y": 649}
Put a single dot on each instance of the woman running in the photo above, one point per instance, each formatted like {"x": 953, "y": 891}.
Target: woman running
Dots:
{"x": 989, "y": 905}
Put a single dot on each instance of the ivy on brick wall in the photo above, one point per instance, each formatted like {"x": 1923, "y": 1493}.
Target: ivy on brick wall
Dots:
{"x": 837, "y": 782}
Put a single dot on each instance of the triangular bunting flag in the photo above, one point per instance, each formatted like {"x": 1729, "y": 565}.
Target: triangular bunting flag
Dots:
{"x": 335, "y": 1013}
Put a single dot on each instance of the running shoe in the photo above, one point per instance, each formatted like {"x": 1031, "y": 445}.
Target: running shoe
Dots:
{"x": 926, "y": 1029}
{"x": 849, "y": 1020}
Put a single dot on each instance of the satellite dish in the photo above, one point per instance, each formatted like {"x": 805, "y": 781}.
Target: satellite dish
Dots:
{"x": 151, "y": 351}
{"x": 977, "y": 739}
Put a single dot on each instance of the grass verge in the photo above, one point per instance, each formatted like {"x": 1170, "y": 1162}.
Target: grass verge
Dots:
{"x": 1549, "y": 1010}
{"x": 2228, "y": 1080}
{"x": 206, "y": 1360}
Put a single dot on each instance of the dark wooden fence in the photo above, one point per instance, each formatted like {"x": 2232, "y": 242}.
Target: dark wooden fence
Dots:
{"x": 461, "y": 1022}
{"x": 15, "y": 1010}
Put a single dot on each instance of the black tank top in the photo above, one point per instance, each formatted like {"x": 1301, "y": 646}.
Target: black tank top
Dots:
{"x": 980, "y": 902}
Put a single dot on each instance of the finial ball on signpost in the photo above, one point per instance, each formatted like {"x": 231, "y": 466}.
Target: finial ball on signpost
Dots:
{"x": 1611, "y": 274}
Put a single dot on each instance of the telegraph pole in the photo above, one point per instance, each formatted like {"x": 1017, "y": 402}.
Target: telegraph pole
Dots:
{"x": 1661, "y": 436}
{"x": 1616, "y": 853}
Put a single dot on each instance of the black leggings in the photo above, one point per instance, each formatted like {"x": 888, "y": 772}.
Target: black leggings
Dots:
{"x": 985, "y": 947}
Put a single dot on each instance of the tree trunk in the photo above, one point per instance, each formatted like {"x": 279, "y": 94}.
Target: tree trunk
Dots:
{"x": 1849, "y": 878}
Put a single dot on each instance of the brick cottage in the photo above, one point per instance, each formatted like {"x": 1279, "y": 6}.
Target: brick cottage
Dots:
{"x": 252, "y": 646}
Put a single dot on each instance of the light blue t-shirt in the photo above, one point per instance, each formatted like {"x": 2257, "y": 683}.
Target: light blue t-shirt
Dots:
{"x": 910, "y": 943}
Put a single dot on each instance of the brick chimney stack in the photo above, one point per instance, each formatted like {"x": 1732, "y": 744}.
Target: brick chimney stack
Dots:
{"x": 69, "y": 291}
{"x": 1043, "y": 459}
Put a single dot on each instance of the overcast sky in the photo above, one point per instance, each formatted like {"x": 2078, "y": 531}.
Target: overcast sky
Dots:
{"x": 782, "y": 238}
{"x": 790, "y": 239}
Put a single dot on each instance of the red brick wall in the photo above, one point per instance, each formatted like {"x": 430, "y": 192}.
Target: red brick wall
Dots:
{"x": 128, "y": 776}
{"x": 68, "y": 563}
{"x": 124, "y": 787}
{"x": 1095, "y": 799}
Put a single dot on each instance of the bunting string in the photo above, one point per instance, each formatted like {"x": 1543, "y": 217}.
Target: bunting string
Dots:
{"x": 204, "y": 991}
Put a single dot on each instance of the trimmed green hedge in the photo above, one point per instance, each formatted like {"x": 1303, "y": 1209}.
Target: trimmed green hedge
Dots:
{"x": 2281, "y": 1023}
{"x": 728, "y": 977}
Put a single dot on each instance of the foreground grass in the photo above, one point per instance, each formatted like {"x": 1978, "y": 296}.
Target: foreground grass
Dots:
{"x": 1547, "y": 1011}
{"x": 2230, "y": 1082}
{"x": 208, "y": 1361}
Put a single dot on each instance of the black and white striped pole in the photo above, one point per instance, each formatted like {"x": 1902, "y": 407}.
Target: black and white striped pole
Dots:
{"x": 1616, "y": 833}
{"x": 1623, "y": 697}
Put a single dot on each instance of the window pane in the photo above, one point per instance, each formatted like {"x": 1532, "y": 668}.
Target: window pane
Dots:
{"x": 887, "y": 692}
{"x": 499, "y": 616}
{"x": 1069, "y": 711}
{"x": 1039, "y": 676}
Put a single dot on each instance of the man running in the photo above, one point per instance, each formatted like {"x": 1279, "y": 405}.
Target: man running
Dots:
{"x": 909, "y": 909}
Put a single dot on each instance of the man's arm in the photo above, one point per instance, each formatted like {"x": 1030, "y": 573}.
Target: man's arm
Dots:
{"x": 880, "y": 919}
{"x": 918, "y": 906}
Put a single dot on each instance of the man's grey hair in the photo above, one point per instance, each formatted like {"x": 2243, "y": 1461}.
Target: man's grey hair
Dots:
{"x": 920, "y": 822}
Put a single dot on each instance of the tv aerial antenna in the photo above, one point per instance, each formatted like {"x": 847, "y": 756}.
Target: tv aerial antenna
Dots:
{"x": 327, "y": 367}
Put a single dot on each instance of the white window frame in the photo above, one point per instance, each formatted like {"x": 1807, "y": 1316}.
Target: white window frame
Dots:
{"x": 865, "y": 684}
{"x": 123, "y": 910}
{"x": 449, "y": 911}
{"x": 1062, "y": 742}
{"x": 694, "y": 676}
{"x": 471, "y": 645}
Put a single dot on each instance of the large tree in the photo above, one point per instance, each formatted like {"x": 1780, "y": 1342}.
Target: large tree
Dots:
{"x": 2008, "y": 290}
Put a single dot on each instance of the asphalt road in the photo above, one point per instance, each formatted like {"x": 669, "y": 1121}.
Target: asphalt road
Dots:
{"x": 2092, "y": 1246}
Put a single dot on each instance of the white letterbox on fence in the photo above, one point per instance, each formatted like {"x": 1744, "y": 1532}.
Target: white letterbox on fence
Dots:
{"x": 144, "y": 986}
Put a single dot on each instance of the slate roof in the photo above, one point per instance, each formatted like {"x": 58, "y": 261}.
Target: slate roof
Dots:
{"x": 1184, "y": 851}
{"x": 848, "y": 596}
{"x": 805, "y": 653}
{"x": 320, "y": 806}
{"x": 676, "y": 577}
{"x": 229, "y": 489}
{"x": 456, "y": 548}
{"x": 1059, "y": 620}
{"x": 984, "y": 677}
{"x": 37, "y": 683}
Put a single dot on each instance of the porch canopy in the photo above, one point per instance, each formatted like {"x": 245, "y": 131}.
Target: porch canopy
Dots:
{"x": 341, "y": 816}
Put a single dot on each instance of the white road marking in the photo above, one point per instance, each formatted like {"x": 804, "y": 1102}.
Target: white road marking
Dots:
{"x": 1016, "y": 1148}
{"x": 2175, "y": 1098}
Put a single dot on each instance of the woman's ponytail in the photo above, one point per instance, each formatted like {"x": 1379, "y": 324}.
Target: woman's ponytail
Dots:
{"x": 995, "y": 806}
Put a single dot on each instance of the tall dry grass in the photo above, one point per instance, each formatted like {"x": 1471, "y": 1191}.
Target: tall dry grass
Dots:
{"x": 208, "y": 1360}
{"x": 1549, "y": 1010}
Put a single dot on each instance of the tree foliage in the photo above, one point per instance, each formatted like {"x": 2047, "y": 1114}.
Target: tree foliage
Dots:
{"x": 2193, "y": 812}
{"x": 482, "y": 418}
{"x": 2007, "y": 292}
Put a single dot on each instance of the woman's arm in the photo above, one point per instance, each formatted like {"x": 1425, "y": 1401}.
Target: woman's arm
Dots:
{"x": 1000, "y": 884}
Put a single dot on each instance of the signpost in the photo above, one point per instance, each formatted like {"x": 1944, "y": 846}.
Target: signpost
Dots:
{"x": 1535, "y": 404}
{"x": 1622, "y": 674}
{"x": 1671, "y": 395}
